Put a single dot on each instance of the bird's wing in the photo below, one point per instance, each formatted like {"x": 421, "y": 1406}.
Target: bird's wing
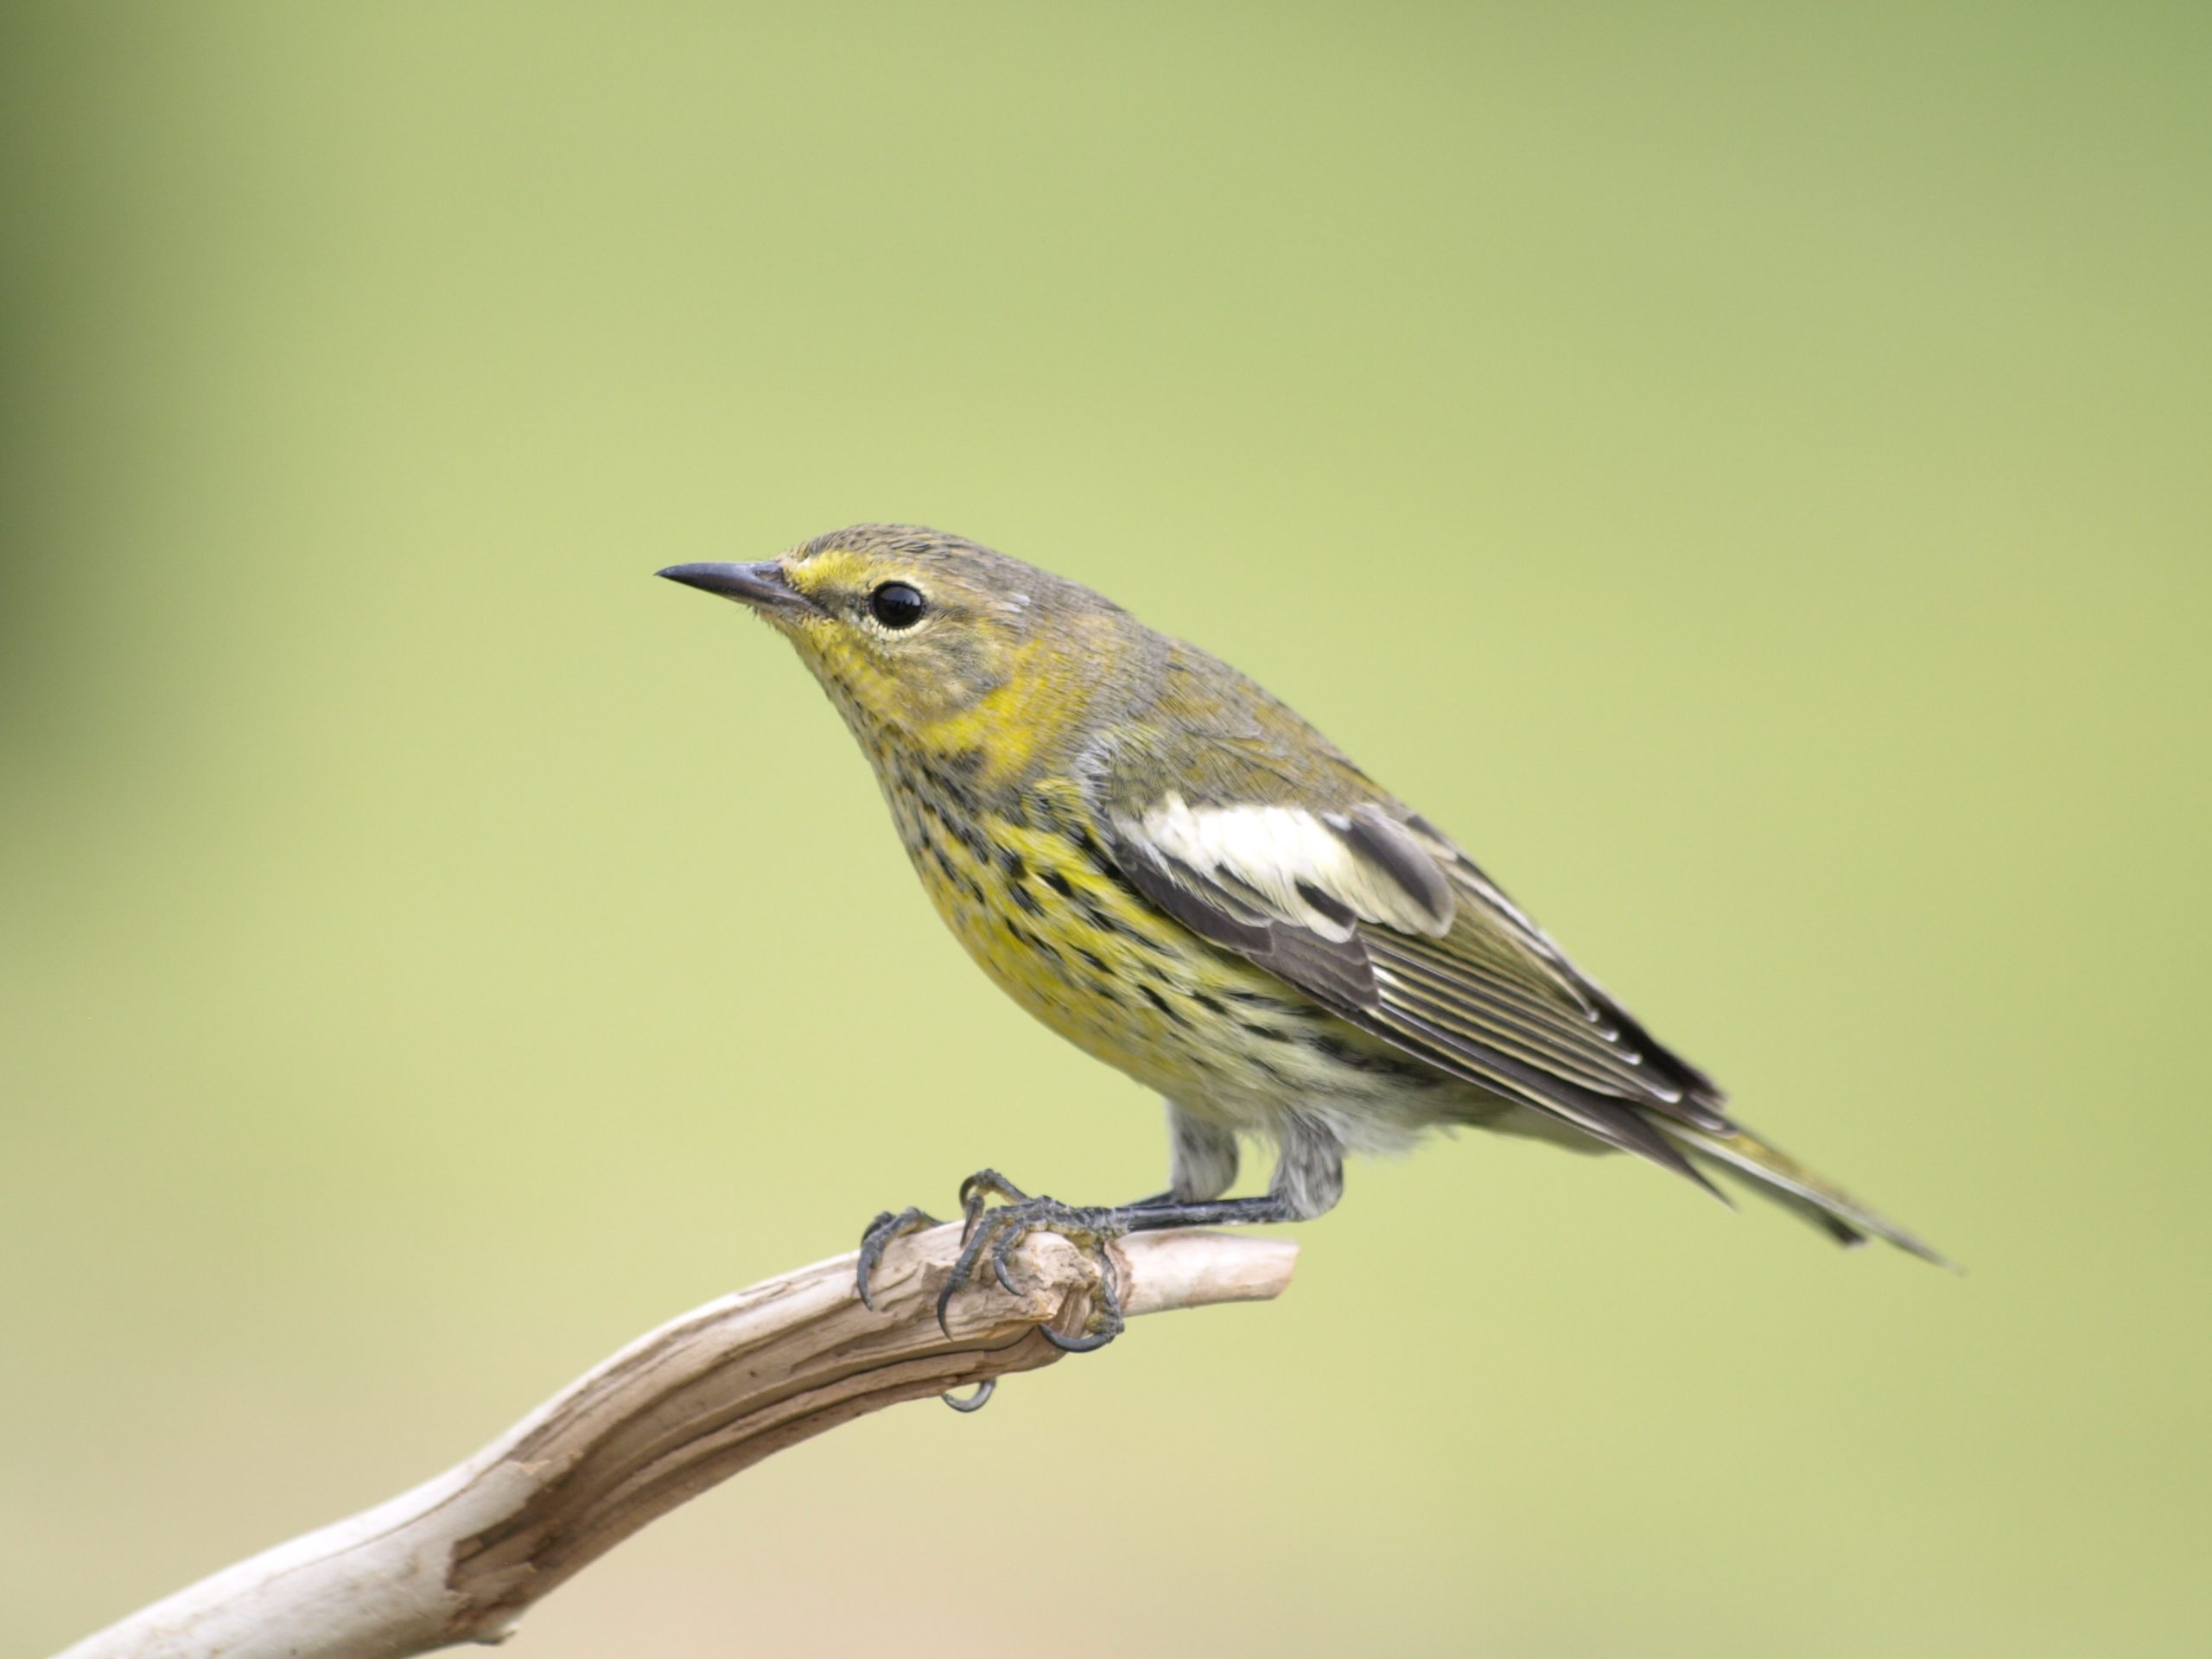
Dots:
{"x": 1270, "y": 843}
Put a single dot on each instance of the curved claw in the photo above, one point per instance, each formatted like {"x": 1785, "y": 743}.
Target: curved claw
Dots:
{"x": 976, "y": 1193}
{"x": 1003, "y": 1224}
{"x": 999, "y": 1268}
{"x": 957, "y": 1275}
{"x": 1106, "y": 1320}
{"x": 975, "y": 1401}
{"x": 878, "y": 1235}
{"x": 1085, "y": 1345}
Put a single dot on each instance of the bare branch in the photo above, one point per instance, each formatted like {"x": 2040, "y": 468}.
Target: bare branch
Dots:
{"x": 462, "y": 1557}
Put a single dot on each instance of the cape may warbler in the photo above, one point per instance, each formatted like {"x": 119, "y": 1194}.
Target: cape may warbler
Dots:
{"x": 1177, "y": 873}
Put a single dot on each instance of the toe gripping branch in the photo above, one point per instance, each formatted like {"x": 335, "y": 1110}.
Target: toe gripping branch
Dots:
{"x": 997, "y": 1230}
{"x": 994, "y": 1232}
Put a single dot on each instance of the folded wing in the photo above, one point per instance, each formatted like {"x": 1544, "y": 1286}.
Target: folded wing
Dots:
{"x": 1325, "y": 880}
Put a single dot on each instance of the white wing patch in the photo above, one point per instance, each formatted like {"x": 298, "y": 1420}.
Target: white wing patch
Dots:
{"x": 1268, "y": 854}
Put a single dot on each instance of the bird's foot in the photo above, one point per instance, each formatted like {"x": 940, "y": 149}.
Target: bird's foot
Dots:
{"x": 877, "y": 1236}
{"x": 997, "y": 1232}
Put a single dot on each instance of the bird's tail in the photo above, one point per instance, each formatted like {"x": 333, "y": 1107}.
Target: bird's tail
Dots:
{"x": 1774, "y": 1174}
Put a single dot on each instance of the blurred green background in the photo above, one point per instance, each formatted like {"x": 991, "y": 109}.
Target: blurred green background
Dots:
{"x": 1743, "y": 469}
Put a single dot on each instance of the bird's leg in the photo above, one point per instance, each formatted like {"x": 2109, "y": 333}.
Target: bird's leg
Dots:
{"x": 1158, "y": 1215}
{"x": 1201, "y": 1155}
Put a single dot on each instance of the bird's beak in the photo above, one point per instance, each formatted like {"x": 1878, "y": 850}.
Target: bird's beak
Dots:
{"x": 763, "y": 586}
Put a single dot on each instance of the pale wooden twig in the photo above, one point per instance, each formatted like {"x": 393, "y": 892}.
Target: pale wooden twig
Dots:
{"x": 462, "y": 1557}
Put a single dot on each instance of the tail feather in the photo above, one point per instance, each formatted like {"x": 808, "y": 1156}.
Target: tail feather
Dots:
{"x": 1774, "y": 1174}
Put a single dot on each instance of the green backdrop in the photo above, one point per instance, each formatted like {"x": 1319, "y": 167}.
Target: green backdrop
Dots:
{"x": 1742, "y": 469}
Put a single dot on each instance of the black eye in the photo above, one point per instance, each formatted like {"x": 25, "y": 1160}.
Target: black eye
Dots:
{"x": 896, "y": 606}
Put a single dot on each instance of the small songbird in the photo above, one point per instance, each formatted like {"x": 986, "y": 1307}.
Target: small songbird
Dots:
{"x": 1178, "y": 875}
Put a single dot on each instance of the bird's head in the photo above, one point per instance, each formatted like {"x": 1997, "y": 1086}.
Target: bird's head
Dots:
{"x": 931, "y": 642}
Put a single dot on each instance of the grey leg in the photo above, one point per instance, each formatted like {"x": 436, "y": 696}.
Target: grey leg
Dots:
{"x": 1201, "y": 1156}
{"x": 1309, "y": 1179}
{"x": 1309, "y": 1169}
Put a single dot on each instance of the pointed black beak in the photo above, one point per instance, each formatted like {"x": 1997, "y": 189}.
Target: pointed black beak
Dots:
{"x": 761, "y": 586}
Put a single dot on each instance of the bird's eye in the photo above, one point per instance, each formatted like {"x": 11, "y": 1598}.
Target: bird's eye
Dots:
{"x": 896, "y": 605}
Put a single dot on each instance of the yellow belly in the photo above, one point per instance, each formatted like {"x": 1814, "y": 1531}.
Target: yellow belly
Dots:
{"x": 1094, "y": 963}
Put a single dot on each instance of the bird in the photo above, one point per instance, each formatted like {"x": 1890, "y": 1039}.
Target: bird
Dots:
{"x": 1172, "y": 869}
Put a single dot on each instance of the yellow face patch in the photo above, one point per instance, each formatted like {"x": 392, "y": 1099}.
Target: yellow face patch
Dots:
{"x": 825, "y": 576}
{"x": 971, "y": 676}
